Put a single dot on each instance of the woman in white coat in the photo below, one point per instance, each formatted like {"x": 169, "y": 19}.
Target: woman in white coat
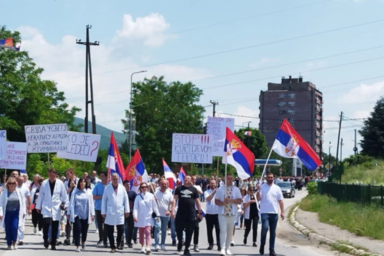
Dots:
{"x": 12, "y": 209}
{"x": 114, "y": 209}
{"x": 81, "y": 212}
{"x": 145, "y": 206}
{"x": 251, "y": 215}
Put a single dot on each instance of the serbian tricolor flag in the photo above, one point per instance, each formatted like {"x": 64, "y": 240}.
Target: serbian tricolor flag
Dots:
{"x": 8, "y": 43}
{"x": 181, "y": 175}
{"x": 248, "y": 133}
{"x": 238, "y": 155}
{"x": 289, "y": 144}
{"x": 136, "y": 172}
{"x": 169, "y": 175}
{"x": 114, "y": 162}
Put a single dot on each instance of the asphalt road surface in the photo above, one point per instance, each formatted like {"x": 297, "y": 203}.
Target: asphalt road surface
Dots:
{"x": 288, "y": 243}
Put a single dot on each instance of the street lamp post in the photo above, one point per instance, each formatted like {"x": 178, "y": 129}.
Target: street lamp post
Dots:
{"x": 130, "y": 115}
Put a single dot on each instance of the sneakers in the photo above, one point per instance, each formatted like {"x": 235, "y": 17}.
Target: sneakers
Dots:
{"x": 46, "y": 244}
{"x": 83, "y": 247}
{"x": 169, "y": 233}
{"x": 228, "y": 252}
{"x": 196, "y": 248}
{"x": 157, "y": 247}
{"x": 174, "y": 243}
{"x": 245, "y": 241}
{"x": 272, "y": 253}
{"x": 232, "y": 243}
{"x": 78, "y": 249}
{"x": 62, "y": 234}
{"x": 261, "y": 250}
{"x": 210, "y": 247}
{"x": 15, "y": 247}
{"x": 67, "y": 242}
{"x": 148, "y": 251}
{"x": 97, "y": 231}
{"x": 186, "y": 252}
{"x": 163, "y": 247}
{"x": 142, "y": 250}
{"x": 254, "y": 244}
{"x": 40, "y": 233}
{"x": 222, "y": 252}
{"x": 35, "y": 231}
{"x": 179, "y": 247}
{"x": 9, "y": 247}
{"x": 99, "y": 243}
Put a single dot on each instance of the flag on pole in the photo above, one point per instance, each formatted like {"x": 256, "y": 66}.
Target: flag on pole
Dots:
{"x": 248, "y": 133}
{"x": 238, "y": 155}
{"x": 181, "y": 175}
{"x": 289, "y": 144}
{"x": 114, "y": 162}
{"x": 169, "y": 175}
{"x": 136, "y": 172}
{"x": 8, "y": 43}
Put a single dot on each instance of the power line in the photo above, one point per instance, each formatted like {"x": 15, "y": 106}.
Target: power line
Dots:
{"x": 274, "y": 119}
{"x": 240, "y": 48}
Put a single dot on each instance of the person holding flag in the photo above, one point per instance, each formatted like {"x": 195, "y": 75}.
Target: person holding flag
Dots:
{"x": 136, "y": 171}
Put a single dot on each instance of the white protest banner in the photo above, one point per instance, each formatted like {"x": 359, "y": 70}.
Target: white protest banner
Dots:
{"x": 216, "y": 128}
{"x": 16, "y": 157}
{"x": 191, "y": 148}
{"x": 3, "y": 143}
{"x": 46, "y": 138}
{"x": 81, "y": 146}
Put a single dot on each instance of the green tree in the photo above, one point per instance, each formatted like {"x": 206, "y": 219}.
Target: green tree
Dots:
{"x": 255, "y": 142}
{"x": 372, "y": 142}
{"x": 162, "y": 109}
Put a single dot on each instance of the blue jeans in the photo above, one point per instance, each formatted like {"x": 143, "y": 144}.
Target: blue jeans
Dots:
{"x": 157, "y": 226}
{"x": 11, "y": 223}
{"x": 173, "y": 230}
{"x": 268, "y": 220}
{"x": 164, "y": 224}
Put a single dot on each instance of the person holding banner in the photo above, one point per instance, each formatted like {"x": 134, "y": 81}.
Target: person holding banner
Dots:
{"x": 12, "y": 209}
{"x": 227, "y": 199}
{"x": 52, "y": 199}
{"x": 270, "y": 197}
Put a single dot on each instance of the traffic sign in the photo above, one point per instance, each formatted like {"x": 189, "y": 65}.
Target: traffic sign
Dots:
{"x": 328, "y": 166}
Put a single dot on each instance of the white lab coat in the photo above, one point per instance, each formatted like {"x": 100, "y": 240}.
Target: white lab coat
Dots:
{"x": 50, "y": 204}
{"x": 114, "y": 205}
{"x": 3, "y": 205}
{"x": 71, "y": 207}
{"x": 145, "y": 205}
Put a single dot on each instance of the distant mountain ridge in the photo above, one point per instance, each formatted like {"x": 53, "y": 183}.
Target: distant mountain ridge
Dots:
{"x": 104, "y": 132}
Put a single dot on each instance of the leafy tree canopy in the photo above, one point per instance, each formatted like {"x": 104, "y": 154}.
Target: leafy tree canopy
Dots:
{"x": 255, "y": 142}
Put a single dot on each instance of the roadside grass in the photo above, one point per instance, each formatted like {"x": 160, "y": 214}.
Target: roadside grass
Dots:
{"x": 366, "y": 172}
{"x": 362, "y": 220}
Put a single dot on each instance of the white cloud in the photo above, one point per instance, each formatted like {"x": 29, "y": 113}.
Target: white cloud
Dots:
{"x": 241, "y": 115}
{"x": 362, "y": 114}
{"x": 363, "y": 93}
{"x": 263, "y": 61}
{"x": 65, "y": 63}
{"x": 150, "y": 29}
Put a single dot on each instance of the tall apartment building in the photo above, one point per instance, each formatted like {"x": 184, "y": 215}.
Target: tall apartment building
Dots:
{"x": 297, "y": 101}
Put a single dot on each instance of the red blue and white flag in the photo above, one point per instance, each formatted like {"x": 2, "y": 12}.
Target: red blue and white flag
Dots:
{"x": 169, "y": 175}
{"x": 8, "y": 43}
{"x": 289, "y": 144}
{"x": 136, "y": 172}
{"x": 238, "y": 155}
{"x": 114, "y": 162}
{"x": 181, "y": 175}
{"x": 248, "y": 133}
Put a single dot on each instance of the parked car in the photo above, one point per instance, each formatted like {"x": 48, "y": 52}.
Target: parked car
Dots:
{"x": 287, "y": 188}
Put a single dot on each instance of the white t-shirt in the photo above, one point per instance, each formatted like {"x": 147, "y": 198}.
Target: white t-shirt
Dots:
{"x": 235, "y": 195}
{"x": 25, "y": 192}
{"x": 270, "y": 197}
{"x": 211, "y": 207}
{"x": 164, "y": 201}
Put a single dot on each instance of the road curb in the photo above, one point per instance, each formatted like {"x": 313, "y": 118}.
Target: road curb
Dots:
{"x": 318, "y": 240}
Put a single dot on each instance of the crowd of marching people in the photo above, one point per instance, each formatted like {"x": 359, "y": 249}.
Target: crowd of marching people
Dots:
{"x": 67, "y": 206}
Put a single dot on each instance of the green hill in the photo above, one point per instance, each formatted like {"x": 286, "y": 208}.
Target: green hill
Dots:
{"x": 104, "y": 132}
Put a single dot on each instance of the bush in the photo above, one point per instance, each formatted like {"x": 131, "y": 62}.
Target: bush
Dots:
{"x": 312, "y": 188}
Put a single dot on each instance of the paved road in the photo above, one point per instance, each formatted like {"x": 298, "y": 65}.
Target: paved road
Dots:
{"x": 289, "y": 243}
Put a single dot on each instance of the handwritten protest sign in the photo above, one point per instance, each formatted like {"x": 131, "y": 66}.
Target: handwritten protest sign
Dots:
{"x": 46, "y": 138}
{"x": 191, "y": 148}
{"x": 3, "y": 143}
{"x": 81, "y": 146}
{"x": 16, "y": 156}
{"x": 216, "y": 128}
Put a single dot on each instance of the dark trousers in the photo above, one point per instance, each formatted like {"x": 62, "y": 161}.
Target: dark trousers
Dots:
{"x": 110, "y": 230}
{"x": 55, "y": 226}
{"x": 268, "y": 220}
{"x": 37, "y": 219}
{"x": 251, "y": 222}
{"x": 80, "y": 227}
{"x": 100, "y": 223}
{"x": 196, "y": 232}
{"x": 129, "y": 228}
{"x": 68, "y": 229}
{"x": 212, "y": 220}
{"x": 186, "y": 224}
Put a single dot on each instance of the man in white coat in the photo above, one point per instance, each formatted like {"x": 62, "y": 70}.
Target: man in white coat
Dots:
{"x": 52, "y": 199}
{"x": 114, "y": 209}
{"x": 26, "y": 193}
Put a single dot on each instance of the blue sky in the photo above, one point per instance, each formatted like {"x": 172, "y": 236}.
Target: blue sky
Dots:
{"x": 335, "y": 44}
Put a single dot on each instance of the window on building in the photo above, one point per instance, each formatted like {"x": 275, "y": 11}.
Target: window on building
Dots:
{"x": 282, "y": 95}
{"x": 291, "y": 120}
{"x": 291, "y": 103}
{"x": 291, "y": 111}
{"x": 281, "y": 120}
{"x": 291, "y": 95}
{"x": 282, "y": 112}
{"x": 281, "y": 103}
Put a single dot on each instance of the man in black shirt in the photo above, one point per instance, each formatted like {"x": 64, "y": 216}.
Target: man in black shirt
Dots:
{"x": 186, "y": 196}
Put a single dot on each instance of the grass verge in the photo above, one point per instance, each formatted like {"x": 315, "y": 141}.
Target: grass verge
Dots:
{"x": 362, "y": 220}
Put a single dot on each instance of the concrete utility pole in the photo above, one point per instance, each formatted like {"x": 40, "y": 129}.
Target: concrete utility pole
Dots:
{"x": 338, "y": 140}
{"x": 355, "y": 147}
{"x": 88, "y": 70}
{"x": 214, "y": 103}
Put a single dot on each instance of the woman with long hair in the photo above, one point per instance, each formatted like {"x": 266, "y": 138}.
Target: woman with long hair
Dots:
{"x": 37, "y": 218}
{"x": 251, "y": 215}
{"x": 81, "y": 212}
{"x": 145, "y": 212}
{"x": 12, "y": 209}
